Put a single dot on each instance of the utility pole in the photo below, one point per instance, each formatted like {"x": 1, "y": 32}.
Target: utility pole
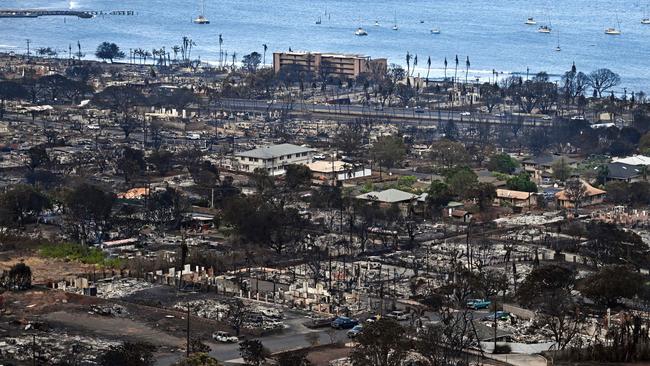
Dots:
{"x": 33, "y": 349}
{"x": 188, "y": 330}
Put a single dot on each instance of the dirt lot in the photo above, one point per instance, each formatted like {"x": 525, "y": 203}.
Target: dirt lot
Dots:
{"x": 50, "y": 312}
{"x": 44, "y": 270}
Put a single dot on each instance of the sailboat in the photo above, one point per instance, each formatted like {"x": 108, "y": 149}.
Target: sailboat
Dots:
{"x": 319, "y": 21}
{"x": 395, "y": 27}
{"x": 614, "y": 31}
{"x": 646, "y": 19}
{"x": 201, "y": 19}
{"x": 558, "y": 49}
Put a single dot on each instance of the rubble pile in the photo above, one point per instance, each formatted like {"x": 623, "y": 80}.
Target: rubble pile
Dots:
{"x": 122, "y": 287}
{"x": 209, "y": 309}
{"x": 55, "y": 348}
{"x": 109, "y": 310}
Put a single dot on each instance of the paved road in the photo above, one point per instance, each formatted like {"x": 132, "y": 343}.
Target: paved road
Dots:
{"x": 409, "y": 114}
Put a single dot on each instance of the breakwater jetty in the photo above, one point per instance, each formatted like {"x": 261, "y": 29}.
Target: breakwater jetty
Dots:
{"x": 35, "y": 13}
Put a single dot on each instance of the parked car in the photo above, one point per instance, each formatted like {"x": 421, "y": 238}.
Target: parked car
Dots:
{"x": 398, "y": 315}
{"x": 500, "y": 315}
{"x": 465, "y": 113}
{"x": 355, "y": 331}
{"x": 224, "y": 337}
{"x": 373, "y": 318}
{"x": 343, "y": 322}
{"x": 477, "y": 304}
{"x": 546, "y": 117}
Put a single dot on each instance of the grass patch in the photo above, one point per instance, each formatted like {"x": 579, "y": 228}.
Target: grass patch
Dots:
{"x": 79, "y": 253}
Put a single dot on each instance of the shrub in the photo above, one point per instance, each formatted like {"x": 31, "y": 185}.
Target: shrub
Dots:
{"x": 79, "y": 253}
{"x": 502, "y": 349}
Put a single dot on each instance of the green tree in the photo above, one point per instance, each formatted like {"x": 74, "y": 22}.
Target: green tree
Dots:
{"x": 382, "y": 343}
{"x": 438, "y": 196}
{"x": 602, "y": 80}
{"x": 198, "y": 359}
{"x": 610, "y": 244}
{"x": 544, "y": 280}
{"x": 167, "y": 207}
{"x": 349, "y": 138}
{"x": 88, "y": 209}
{"x": 484, "y": 194}
{"x": 294, "y": 358}
{"x": 297, "y": 176}
{"x": 611, "y": 284}
{"x": 447, "y": 154}
{"x": 618, "y": 192}
{"x": 521, "y": 182}
{"x": 18, "y": 278}
{"x": 461, "y": 182}
{"x": 109, "y": 51}
{"x": 131, "y": 163}
{"x": 561, "y": 169}
{"x": 129, "y": 354}
{"x": 162, "y": 160}
{"x": 10, "y": 90}
{"x": 253, "y": 352}
{"x": 252, "y": 61}
{"x": 388, "y": 151}
{"x": 502, "y": 163}
{"x": 22, "y": 203}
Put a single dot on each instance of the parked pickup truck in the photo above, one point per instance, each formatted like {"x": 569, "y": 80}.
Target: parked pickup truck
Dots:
{"x": 477, "y": 304}
{"x": 224, "y": 337}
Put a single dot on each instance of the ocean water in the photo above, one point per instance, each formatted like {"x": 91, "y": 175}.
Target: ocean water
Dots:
{"x": 491, "y": 33}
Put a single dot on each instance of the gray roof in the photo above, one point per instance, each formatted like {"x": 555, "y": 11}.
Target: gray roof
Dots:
{"x": 622, "y": 171}
{"x": 388, "y": 196}
{"x": 274, "y": 151}
{"x": 548, "y": 159}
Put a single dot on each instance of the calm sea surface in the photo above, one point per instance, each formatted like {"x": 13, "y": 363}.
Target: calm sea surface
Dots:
{"x": 492, "y": 33}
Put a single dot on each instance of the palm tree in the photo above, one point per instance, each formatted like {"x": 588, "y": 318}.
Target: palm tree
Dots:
{"x": 234, "y": 57}
{"x": 264, "y": 58}
{"x": 466, "y": 69}
{"x": 428, "y": 68}
{"x": 456, "y": 70}
{"x": 408, "y": 64}
{"x": 189, "y": 51}
{"x": 445, "y": 69}
{"x": 176, "y": 49}
{"x": 415, "y": 63}
{"x": 220, "y": 52}
{"x": 145, "y": 54}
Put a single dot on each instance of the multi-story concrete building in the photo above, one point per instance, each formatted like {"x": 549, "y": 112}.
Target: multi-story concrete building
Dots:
{"x": 344, "y": 66}
{"x": 274, "y": 158}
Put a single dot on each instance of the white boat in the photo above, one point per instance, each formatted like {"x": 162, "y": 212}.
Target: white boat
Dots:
{"x": 544, "y": 29}
{"x": 614, "y": 31}
{"x": 531, "y": 21}
{"x": 319, "y": 21}
{"x": 435, "y": 31}
{"x": 360, "y": 32}
{"x": 645, "y": 21}
{"x": 376, "y": 23}
{"x": 395, "y": 27}
{"x": 558, "y": 49}
{"x": 201, "y": 19}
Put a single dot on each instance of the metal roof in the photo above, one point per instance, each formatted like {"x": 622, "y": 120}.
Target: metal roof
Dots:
{"x": 274, "y": 151}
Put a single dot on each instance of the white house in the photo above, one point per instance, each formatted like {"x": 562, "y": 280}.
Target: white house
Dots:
{"x": 273, "y": 158}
